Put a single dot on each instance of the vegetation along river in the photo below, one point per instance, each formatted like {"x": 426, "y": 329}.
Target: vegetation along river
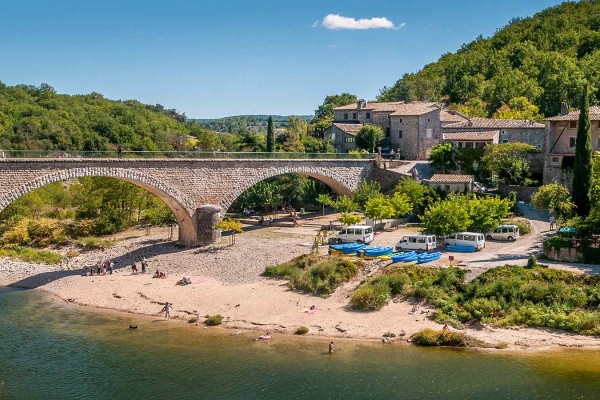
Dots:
{"x": 51, "y": 351}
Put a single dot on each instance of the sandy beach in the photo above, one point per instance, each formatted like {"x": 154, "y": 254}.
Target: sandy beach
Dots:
{"x": 227, "y": 281}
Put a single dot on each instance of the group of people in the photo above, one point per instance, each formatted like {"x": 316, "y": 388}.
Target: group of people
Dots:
{"x": 159, "y": 275}
{"x": 102, "y": 267}
{"x": 144, "y": 266}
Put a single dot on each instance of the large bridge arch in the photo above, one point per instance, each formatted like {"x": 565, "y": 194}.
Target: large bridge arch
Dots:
{"x": 335, "y": 181}
{"x": 182, "y": 208}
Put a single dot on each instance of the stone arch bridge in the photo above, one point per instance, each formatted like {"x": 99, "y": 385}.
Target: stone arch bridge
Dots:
{"x": 198, "y": 191}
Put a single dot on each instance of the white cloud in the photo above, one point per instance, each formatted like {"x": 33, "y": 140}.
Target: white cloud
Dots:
{"x": 336, "y": 21}
{"x": 315, "y": 24}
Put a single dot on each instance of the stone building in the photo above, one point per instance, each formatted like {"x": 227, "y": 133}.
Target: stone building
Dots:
{"x": 411, "y": 129}
{"x": 471, "y": 140}
{"x": 510, "y": 130}
{"x": 561, "y": 133}
{"x": 451, "y": 183}
{"x": 342, "y": 136}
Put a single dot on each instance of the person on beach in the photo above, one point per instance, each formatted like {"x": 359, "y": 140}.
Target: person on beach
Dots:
{"x": 265, "y": 337}
{"x": 134, "y": 269}
{"x": 111, "y": 266}
{"x": 167, "y": 310}
{"x": 98, "y": 267}
{"x": 157, "y": 274}
{"x": 331, "y": 348}
{"x": 144, "y": 265}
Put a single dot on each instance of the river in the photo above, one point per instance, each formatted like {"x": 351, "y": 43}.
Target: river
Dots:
{"x": 52, "y": 351}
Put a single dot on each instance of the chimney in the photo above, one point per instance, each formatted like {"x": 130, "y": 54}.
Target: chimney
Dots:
{"x": 361, "y": 104}
{"x": 564, "y": 108}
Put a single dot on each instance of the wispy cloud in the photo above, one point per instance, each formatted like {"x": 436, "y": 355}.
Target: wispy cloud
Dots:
{"x": 315, "y": 24}
{"x": 336, "y": 22}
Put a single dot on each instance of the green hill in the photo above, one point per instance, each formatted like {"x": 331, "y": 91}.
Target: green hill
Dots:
{"x": 246, "y": 123}
{"x": 545, "y": 58}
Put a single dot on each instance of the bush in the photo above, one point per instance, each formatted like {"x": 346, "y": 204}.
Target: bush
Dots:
{"x": 213, "y": 320}
{"x": 430, "y": 337}
{"x": 532, "y": 262}
{"x": 371, "y": 297}
{"x": 193, "y": 320}
{"x": 92, "y": 242}
{"x": 31, "y": 255}
{"x": 302, "y": 330}
{"x": 523, "y": 224}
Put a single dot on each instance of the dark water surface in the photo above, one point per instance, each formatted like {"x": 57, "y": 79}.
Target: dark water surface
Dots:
{"x": 49, "y": 351}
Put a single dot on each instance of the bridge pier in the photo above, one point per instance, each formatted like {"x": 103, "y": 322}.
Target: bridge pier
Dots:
{"x": 205, "y": 218}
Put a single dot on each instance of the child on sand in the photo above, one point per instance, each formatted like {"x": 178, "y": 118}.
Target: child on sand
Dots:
{"x": 167, "y": 309}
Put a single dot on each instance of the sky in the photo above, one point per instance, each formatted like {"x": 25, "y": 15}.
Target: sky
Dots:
{"x": 212, "y": 59}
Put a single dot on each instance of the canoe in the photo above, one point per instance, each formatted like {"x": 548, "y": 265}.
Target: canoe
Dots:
{"x": 425, "y": 258}
{"x": 402, "y": 256}
{"x": 461, "y": 249}
{"x": 346, "y": 248}
{"x": 377, "y": 251}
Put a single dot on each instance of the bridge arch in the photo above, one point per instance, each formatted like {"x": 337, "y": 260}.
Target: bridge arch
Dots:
{"x": 335, "y": 181}
{"x": 182, "y": 207}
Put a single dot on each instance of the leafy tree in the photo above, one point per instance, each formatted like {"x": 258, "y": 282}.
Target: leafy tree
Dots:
{"x": 350, "y": 219}
{"x": 369, "y": 137}
{"x": 365, "y": 191}
{"x": 582, "y": 170}
{"x": 324, "y": 113}
{"x": 519, "y": 108}
{"x": 445, "y": 217}
{"x": 295, "y": 132}
{"x": 379, "y": 208}
{"x": 486, "y": 213}
{"x": 401, "y": 204}
{"x": 443, "y": 157}
{"x": 508, "y": 161}
{"x": 418, "y": 194}
{"x": 230, "y": 224}
{"x": 556, "y": 199}
{"x": 346, "y": 204}
{"x": 270, "y": 134}
{"x": 325, "y": 200}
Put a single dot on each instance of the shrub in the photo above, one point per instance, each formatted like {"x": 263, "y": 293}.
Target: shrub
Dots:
{"x": 523, "y": 224}
{"x": 430, "y": 337}
{"x": 302, "y": 330}
{"x": 213, "y": 320}
{"x": 93, "y": 242}
{"x": 31, "y": 255}
{"x": 532, "y": 262}
{"x": 193, "y": 320}
{"x": 370, "y": 297}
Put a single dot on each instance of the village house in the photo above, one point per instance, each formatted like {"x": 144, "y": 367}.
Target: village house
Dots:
{"x": 411, "y": 129}
{"x": 451, "y": 183}
{"x": 561, "y": 133}
{"x": 510, "y": 130}
{"x": 471, "y": 140}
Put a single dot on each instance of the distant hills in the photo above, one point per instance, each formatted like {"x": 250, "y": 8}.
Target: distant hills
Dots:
{"x": 545, "y": 58}
{"x": 245, "y": 123}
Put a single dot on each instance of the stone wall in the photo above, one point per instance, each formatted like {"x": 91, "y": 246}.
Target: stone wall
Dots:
{"x": 564, "y": 255}
{"x": 524, "y": 193}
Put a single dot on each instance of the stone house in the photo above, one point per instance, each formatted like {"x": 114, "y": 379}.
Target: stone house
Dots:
{"x": 451, "y": 183}
{"x": 411, "y": 129}
{"x": 342, "y": 136}
{"x": 510, "y": 130}
{"x": 561, "y": 133}
{"x": 471, "y": 140}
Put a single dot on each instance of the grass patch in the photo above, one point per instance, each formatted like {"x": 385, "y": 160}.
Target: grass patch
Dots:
{"x": 214, "y": 320}
{"x": 31, "y": 255}
{"x": 92, "y": 243}
{"x": 502, "y": 296}
{"x": 302, "y": 330}
{"x": 315, "y": 274}
{"x": 193, "y": 320}
{"x": 430, "y": 337}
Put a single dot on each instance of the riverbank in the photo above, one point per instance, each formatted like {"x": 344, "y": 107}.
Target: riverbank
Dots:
{"x": 226, "y": 280}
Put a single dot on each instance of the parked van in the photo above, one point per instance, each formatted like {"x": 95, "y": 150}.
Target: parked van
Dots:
{"x": 417, "y": 242}
{"x": 355, "y": 233}
{"x": 504, "y": 232}
{"x": 465, "y": 239}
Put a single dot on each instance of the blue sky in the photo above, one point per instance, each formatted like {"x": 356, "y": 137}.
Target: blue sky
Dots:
{"x": 218, "y": 58}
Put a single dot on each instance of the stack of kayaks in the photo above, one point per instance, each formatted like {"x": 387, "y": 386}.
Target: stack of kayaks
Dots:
{"x": 409, "y": 256}
{"x": 375, "y": 252}
{"x": 346, "y": 248}
{"x": 461, "y": 249}
{"x": 427, "y": 257}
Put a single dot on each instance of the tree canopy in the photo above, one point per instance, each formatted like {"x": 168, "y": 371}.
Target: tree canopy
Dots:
{"x": 369, "y": 137}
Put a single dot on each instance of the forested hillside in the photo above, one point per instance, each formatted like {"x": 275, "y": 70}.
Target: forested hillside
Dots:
{"x": 245, "y": 123}
{"x": 545, "y": 58}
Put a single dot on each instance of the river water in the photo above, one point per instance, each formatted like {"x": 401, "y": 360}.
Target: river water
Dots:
{"x": 52, "y": 351}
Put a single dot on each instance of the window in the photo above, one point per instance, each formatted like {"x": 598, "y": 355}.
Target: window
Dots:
{"x": 400, "y": 134}
{"x": 387, "y": 132}
{"x": 368, "y": 115}
{"x": 389, "y": 119}
{"x": 400, "y": 120}
{"x": 421, "y": 240}
{"x": 554, "y": 159}
{"x": 333, "y": 136}
{"x": 504, "y": 140}
{"x": 349, "y": 139}
{"x": 345, "y": 115}
{"x": 572, "y": 124}
{"x": 429, "y": 133}
{"x": 448, "y": 188}
{"x": 571, "y": 141}
{"x": 353, "y": 115}
{"x": 459, "y": 237}
{"x": 369, "y": 230}
{"x": 343, "y": 232}
{"x": 538, "y": 146}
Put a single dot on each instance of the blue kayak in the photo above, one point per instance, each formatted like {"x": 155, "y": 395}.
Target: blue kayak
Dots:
{"x": 428, "y": 257}
{"x": 377, "y": 251}
{"x": 402, "y": 256}
{"x": 346, "y": 248}
{"x": 461, "y": 249}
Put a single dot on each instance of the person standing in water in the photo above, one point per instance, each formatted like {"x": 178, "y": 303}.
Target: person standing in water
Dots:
{"x": 167, "y": 309}
{"x": 331, "y": 348}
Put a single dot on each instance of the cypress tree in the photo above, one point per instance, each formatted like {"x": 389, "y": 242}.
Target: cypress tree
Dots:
{"x": 582, "y": 170}
{"x": 270, "y": 135}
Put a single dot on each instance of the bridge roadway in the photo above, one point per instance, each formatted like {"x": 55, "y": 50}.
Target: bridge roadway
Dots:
{"x": 198, "y": 191}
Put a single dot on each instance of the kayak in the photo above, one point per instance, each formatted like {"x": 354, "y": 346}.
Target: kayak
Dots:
{"x": 461, "y": 249}
{"x": 428, "y": 257}
{"x": 400, "y": 257}
{"x": 346, "y": 248}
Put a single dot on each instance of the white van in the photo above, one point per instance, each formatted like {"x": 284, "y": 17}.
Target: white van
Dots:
{"x": 504, "y": 232}
{"x": 465, "y": 239}
{"x": 417, "y": 242}
{"x": 355, "y": 233}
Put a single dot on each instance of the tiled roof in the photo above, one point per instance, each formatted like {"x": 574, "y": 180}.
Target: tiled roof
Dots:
{"x": 350, "y": 129}
{"x": 495, "y": 124}
{"x": 395, "y": 108}
{"x": 451, "y": 116}
{"x": 471, "y": 136}
{"x": 445, "y": 178}
{"x": 574, "y": 115}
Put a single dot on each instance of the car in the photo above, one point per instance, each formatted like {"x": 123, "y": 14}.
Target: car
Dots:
{"x": 479, "y": 188}
{"x": 474, "y": 239}
{"x": 419, "y": 243}
{"x": 355, "y": 233}
{"x": 504, "y": 232}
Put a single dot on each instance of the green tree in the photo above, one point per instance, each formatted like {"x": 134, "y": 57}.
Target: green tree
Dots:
{"x": 582, "y": 170}
{"x": 519, "y": 108}
{"x": 401, "y": 204}
{"x": 232, "y": 225}
{"x": 345, "y": 204}
{"x": 556, "y": 199}
{"x": 295, "y": 132}
{"x": 379, "y": 208}
{"x": 419, "y": 195}
{"x": 350, "y": 219}
{"x": 325, "y": 200}
{"x": 443, "y": 157}
{"x": 447, "y": 216}
{"x": 365, "y": 191}
{"x": 486, "y": 213}
{"x": 369, "y": 137}
{"x": 324, "y": 113}
{"x": 270, "y": 134}
{"x": 508, "y": 161}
